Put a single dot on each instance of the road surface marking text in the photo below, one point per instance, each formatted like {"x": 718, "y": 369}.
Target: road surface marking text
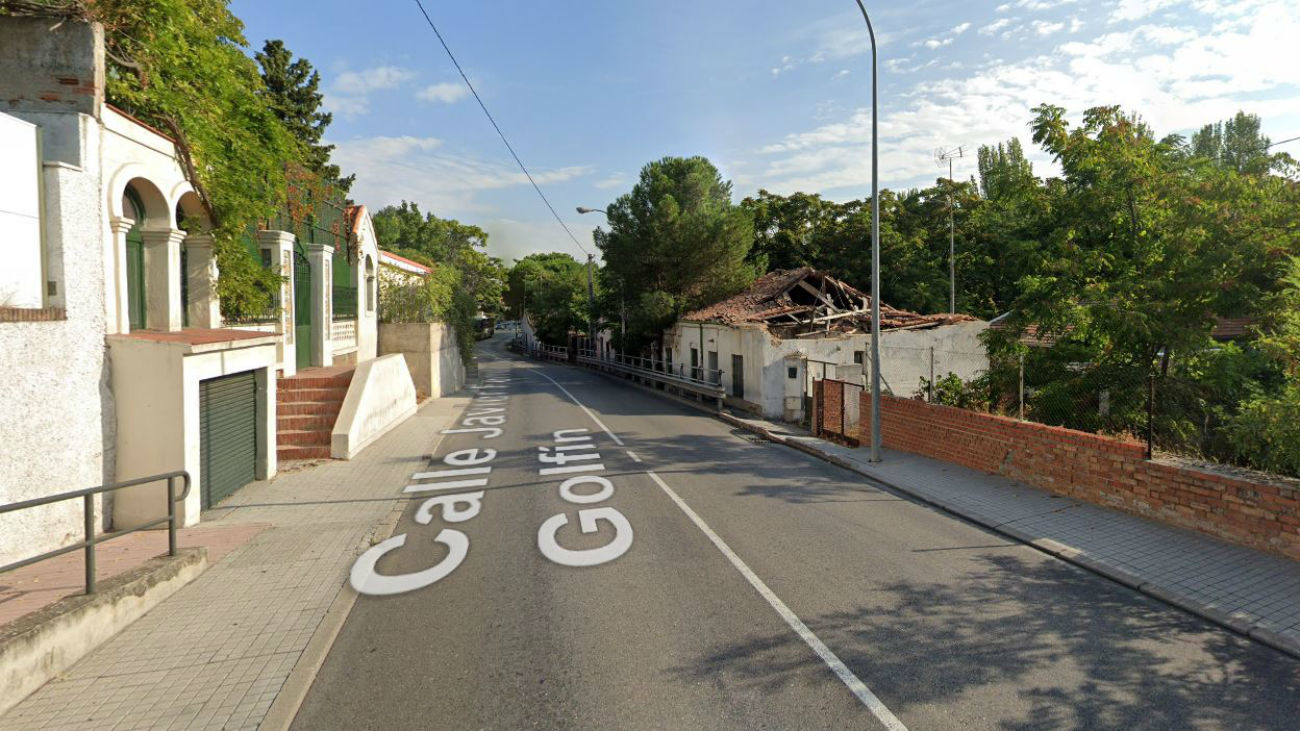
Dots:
{"x": 484, "y": 416}
{"x": 588, "y": 518}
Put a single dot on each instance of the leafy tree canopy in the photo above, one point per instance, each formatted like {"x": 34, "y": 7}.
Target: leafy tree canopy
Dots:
{"x": 292, "y": 88}
{"x": 677, "y": 238}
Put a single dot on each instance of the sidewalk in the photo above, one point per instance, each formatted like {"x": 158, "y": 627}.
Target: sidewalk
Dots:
{"x": 1247, "y": 591}
{"x": 216, "y": 654}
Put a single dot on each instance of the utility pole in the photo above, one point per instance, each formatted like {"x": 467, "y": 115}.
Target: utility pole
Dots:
{"x": 591, "y": 289}
{"x": 875, "y": 249}
{"x": 941, "y": 155}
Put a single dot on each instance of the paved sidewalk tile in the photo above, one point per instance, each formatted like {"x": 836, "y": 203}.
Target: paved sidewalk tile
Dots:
{"x": 215, "y": 654}
{"x": 35, "y": 587}
{"x": 1254, "y": 589}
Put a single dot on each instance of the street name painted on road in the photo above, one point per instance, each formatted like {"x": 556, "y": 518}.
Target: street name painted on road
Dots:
{"x": 574, "y": 445}
{"x": 485, "y": 416}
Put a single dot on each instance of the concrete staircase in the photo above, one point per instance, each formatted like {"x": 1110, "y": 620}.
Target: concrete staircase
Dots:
{"x": 306, "y": 407}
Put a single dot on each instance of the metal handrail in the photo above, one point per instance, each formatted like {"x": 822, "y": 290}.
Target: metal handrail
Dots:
{"x": 87, "y": 496}
{"x": 708, "y": 376}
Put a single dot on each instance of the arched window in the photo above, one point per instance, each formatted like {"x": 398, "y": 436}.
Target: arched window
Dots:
{"x": 371, "y": 285}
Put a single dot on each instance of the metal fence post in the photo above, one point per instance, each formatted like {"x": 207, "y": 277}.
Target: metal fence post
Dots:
{"x": 88, "y": 504}
{"x": 931, "y": 374}
{"x": 171, "y": 516}
{"x": 1151, "y": 408}
{"x": 1020, "y": 395}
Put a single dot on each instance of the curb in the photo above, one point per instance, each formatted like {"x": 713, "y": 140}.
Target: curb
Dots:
{"x": 1235, "y": 623}
{"x": 292, "y": 694}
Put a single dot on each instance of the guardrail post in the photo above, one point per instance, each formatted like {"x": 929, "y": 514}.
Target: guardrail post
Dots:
{"x": 171, "y": 516}
{"x": 88, "y": 505}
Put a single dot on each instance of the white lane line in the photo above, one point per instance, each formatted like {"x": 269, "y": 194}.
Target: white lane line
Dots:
{"x": 599, "y": 423}
{"x": 632, "y": 454}
{"x": 837, "y": 666}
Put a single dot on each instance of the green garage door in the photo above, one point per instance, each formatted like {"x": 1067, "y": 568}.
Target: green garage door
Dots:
{"x": 227, "y": 435}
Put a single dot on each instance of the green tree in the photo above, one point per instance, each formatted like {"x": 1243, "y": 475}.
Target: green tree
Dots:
{"x": 1235, "y": 143}
{"x": 551, "y": 289}
{"x": 180, "y": 65}
{"x": 677, "y": 241}
{"x": 292, "y": 88}
{"x": 405, "y": 230}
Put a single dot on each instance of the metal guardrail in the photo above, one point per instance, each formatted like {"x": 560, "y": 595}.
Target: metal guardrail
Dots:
{"x": 87, "y": 496}
{"x": 708, "y": 385}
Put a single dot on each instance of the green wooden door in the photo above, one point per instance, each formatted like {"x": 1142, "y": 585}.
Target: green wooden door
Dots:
{"x": 135, "y": 301}
{"x": 302, "y": 309}
{"x": 227, "y": 435}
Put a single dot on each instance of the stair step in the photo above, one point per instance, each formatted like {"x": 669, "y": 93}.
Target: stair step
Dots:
{"x": 313, "y": 452}
{"x": 302, "y": 437}
{"x": 310, "y": 394}
{"x": 316, "y": 382}
{"x": 309, "y": 408}
{"x": 303, "y": 422}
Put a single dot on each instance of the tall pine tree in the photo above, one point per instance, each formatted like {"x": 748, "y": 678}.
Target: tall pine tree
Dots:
{"x": 293, "y": 90}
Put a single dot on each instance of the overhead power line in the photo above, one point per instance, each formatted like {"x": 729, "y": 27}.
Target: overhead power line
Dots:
{"x": 497, "y": 127}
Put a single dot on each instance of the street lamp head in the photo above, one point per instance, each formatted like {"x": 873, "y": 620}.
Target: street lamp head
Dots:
{"x": 584, "y": 209}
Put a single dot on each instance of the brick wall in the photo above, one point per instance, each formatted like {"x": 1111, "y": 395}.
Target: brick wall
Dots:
{"x": 1100, "y": 470}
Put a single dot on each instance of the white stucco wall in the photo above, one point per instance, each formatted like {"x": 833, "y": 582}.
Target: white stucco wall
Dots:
{"x": 380, "y": 396}
{"x": 21, "y": 280}
{"x": 157, "y": 390}
{"x": 431, "y": 353}
{"x": 367, "y": 317}
{"x": 56, "y": 425}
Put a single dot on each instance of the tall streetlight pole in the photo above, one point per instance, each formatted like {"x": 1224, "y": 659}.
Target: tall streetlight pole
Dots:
{"x": 941, "y": 156}
{"x": 875, "y": 251}
{"x": 591, "y": 289}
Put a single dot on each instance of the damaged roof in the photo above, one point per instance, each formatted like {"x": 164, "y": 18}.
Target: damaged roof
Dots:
{"x": 806, "y": 302}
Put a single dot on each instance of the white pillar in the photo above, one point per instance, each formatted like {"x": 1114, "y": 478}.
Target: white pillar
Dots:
{"x": 321, "y": 258}
{"x": 204, "y": 306}
{"x": 279, "y": 246}
{"x": 162, "y": 276}
{"x": 118, "y": 301}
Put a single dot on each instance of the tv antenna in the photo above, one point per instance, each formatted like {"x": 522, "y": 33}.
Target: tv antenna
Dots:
{"x": 941, "y": 156}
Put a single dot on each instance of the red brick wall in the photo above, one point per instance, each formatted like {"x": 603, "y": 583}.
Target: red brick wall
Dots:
{"x": 1100, "y": 470}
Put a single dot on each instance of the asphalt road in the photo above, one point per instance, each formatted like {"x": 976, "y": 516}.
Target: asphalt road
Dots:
{"x": 761, "y": 588}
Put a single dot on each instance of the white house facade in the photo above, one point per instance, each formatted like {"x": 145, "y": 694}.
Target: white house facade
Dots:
{"x": 118, "y": 361}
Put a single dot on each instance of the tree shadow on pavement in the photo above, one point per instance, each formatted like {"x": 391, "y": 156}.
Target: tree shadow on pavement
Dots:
{"x": 1032, "y": 644}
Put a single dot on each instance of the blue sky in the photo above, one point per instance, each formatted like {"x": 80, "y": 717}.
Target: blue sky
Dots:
{"x": 775, "y": 93}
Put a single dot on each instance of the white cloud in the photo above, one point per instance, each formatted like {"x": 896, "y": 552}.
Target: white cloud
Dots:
{"x": 1035, "y": 5}
{"x": 1178, "y": 78}
{"x": 1044, "y": 28}
{"x": 446, "y": 92}
{"x": 375, "y": 79}
{"x": 1138, "y": 9}
{"x": 348, "y": 107}
{"x": 1075, "y": 25}
{"x": 391, "y": 169}
{"x": 995, "y": 26}
{"x": 944, "y": 39}
{"x": 612, "y": 181}
{"x": 349, "y": 94}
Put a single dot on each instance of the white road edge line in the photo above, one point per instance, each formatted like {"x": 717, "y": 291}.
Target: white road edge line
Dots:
{"x": 837, "y": 666}
{"x": 599, "y": 423}
{"x": 632, "y": 454}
